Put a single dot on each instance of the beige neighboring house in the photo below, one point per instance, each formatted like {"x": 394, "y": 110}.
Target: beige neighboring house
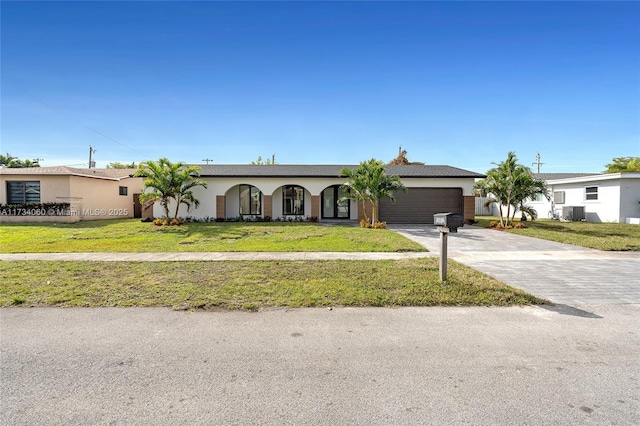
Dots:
{"x": 91, "y": 194}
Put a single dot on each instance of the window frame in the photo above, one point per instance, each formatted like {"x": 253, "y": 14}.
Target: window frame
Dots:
{"x": 25, "y": 190}
{"x": 591, "y": 195}
{"x": 336, "y": 191}
{"x": 254, "y": 194}
{"x": 537, "y": 198}
{"x": 296, "y": 190}
{"x": 123, "y": 190}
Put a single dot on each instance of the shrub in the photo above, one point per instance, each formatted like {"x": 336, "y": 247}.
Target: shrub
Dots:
{"x": 367, "y": 225}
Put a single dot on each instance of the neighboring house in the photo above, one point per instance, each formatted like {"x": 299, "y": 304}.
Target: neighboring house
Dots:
{"x": 91, "y": 194}
{"x": 547, "y": 208}
{"x": 611, "y": 197}
{"x": 314, "y": 191}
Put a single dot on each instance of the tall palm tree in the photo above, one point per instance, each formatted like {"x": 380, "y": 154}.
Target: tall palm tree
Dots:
{"x": 370, "y": 182}
{"x": 356, "y": 188}
{"x": 166, "y": 181}
{"x": 510, "y": 184}
{"x": 527, "y": 187}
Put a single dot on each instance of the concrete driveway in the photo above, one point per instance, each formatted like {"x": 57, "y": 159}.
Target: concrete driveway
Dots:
{"x": 562, "y": 273}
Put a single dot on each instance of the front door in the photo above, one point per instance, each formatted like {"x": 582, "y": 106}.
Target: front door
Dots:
{"x": 334, "y": 204}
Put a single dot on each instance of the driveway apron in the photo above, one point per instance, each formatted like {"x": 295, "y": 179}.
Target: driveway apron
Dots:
{"x": 561, "y": 273}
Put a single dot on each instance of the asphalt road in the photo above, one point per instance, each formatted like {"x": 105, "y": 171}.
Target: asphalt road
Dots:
{"x": 481, "y": 366}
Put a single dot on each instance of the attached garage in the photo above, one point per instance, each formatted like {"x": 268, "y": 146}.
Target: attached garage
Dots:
{"x": 418, "y": 205}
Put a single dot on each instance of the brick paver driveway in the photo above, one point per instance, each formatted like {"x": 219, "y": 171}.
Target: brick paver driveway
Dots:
{"x": 562, "y": 273}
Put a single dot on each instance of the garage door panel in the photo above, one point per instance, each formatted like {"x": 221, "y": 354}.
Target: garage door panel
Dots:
{"x": 418, "y": 205}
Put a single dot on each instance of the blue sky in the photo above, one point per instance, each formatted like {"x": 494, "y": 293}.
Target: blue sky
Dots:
{"x": 454, "y": 83}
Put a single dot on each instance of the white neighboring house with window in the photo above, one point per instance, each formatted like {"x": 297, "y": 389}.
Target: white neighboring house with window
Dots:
{"x": 612, "y": 197}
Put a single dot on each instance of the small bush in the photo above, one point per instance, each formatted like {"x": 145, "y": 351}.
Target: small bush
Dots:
{"x": 367, "y": 225}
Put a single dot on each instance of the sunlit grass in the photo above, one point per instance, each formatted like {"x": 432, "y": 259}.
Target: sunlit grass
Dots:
{"x": 599, "y": 236}
{"x": 132, "y": 235}
{"x": 251, "y": 284}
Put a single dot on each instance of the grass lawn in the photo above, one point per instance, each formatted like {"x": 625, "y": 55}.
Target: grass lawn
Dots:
{"x": 599, "y": 236}
{"x": 251, "y": 284}
{"x": 132, "y": 235}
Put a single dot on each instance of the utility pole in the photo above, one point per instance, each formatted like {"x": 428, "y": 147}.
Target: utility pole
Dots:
{"x": 538, "y": 163}
{"x": 92, "y": 164}
{"x": 206, "y": 160}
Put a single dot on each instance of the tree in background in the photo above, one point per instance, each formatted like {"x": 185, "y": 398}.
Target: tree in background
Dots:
{"x": 267, "y": 162}
{"x": 402, "y": 160}
{"x": 510, "y": 184}
{"x": 15, "y": 163}
{"x": 118, "y": 165}
{"x": 370, "y": 183}
{"x": 166, "y": 181}
{"x": 623, "y": 164}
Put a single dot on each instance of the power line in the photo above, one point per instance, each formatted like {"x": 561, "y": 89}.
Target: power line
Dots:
{"x": 74, "y": 120}
{"x": 538, "y": 162}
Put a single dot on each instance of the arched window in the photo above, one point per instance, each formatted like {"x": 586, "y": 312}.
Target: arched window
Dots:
{"x": 250, "y": 200}
{"x": 293, "y": 200}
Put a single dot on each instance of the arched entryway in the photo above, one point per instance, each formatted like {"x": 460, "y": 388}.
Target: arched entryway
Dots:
{"x": 334, "y": 204}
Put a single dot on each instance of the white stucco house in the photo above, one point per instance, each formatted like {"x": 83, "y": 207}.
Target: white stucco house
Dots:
{"x": 314, "y": 191}
{"x": 611, "y": 197}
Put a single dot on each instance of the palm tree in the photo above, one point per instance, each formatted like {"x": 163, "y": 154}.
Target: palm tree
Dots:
{"x": 166, "y": 181}
{"x": 356, "y": 188}
{"x": 370, "y": 182}
{"x": 510, "y": 184}
{"x": 526, "y": 188}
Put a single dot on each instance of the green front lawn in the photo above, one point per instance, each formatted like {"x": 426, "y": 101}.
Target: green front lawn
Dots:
{"x": 599, "y": 236}
{"x": 132, "y": 235}
{"x": 251, "y": 284}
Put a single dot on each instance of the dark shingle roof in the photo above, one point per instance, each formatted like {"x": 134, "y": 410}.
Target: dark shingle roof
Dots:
{"x": 554, "y": 176}
{"x": 316, "y": 170}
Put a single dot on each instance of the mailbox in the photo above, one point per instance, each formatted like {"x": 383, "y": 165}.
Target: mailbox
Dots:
{"x": 453, "y": 221}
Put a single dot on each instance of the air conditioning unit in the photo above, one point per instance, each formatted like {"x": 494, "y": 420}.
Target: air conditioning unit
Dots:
{"x": 573, "y": 213}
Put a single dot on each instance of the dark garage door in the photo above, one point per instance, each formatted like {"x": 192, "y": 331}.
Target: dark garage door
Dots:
{"x": 418, "y": 205}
